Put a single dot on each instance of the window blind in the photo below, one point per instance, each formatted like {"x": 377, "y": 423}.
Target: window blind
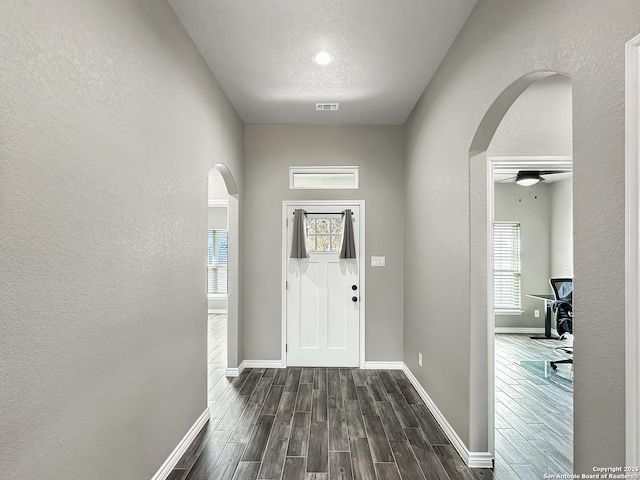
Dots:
{"x": 507, "y": 292}
{"x": 217, "y": 254}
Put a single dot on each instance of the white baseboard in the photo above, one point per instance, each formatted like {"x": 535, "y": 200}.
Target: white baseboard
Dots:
{"x": 234, "y": 372}
{"x": 383, "y": 365}
{"x": 480, "y": 460}
{"x": 472, "y": 459}
{"x": 177, "y": 453}
{"x": 262, "y": 364}
{"x": 527, "y": 330}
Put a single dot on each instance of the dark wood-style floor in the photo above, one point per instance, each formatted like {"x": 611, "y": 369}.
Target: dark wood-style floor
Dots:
{"x": 316, "y": 424}
{"x": 328, "y": 423}
{"x": 320, "y": 423}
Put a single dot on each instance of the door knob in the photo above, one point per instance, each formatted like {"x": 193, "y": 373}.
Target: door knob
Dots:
{"x": 355, "y": 299}
{"x": 354, "y": 287}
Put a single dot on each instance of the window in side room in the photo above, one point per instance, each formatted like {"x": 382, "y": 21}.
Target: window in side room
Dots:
{"x": 217, "y": 261}
{"x": 507, "y": 291}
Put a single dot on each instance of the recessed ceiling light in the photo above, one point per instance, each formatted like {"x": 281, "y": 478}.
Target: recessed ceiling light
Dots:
{"x": 323, "y": 58}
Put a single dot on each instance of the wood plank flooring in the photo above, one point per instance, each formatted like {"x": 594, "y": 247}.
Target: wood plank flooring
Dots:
{"x": 321, "y": 423}
{"x": 315, "y": 424}
{"x": 534, "y": 417}
{"x": 217, "y": 355}
{"x": 352, "y": 424}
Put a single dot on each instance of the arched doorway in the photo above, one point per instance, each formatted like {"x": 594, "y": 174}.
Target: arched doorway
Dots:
{"x": 217, "y": 284}
{"x": 483, "y": 319}
{"x": 222, "y": 279}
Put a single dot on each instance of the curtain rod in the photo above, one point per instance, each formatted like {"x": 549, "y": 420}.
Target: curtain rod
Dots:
{"x": 323, "y": 213}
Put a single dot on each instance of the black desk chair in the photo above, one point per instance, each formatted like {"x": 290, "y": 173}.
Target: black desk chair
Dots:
{"x": 563, "y": 306}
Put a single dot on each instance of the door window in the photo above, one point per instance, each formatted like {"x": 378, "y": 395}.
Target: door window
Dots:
{"x": 324, "y": 234}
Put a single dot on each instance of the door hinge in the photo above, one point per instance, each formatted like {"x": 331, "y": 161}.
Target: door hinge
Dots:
{"x": 286, "y": 347}
{"x": 286, "y": 285}
{"x": 286, "y": 222}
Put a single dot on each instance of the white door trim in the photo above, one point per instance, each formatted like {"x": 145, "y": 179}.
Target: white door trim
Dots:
{"x": 491, "y": 327}
{"x": 632, "y": 253}
{"x": 534, "y": 161}
{"x": 361, "y": 266}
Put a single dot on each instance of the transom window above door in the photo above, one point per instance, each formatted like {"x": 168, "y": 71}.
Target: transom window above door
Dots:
{"x": 324, "y": 234}
{"x": 324, "y": 178}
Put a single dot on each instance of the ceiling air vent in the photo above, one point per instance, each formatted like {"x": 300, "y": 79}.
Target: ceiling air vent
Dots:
{"x": 328, "y": 107}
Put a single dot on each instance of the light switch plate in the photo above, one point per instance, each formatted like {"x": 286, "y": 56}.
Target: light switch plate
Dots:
{"x": 378, "y": 261}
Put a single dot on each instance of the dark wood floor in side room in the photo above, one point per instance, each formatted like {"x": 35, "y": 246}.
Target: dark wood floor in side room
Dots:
{"x": 534, "y": 416}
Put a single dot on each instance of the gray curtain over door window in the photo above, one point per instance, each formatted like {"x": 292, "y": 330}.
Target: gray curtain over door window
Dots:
{"x": 348, "y": 247}
{"x": 299, "y": 240}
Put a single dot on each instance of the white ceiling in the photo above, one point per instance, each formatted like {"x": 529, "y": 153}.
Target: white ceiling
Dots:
{"x": 386, "y": 51}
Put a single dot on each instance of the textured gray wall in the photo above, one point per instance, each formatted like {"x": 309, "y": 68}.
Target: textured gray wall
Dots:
{"x": 270, "y": 151}
{"x": 561, "y": 229}
{"x": 538, "y": 122}
{"x": 531, "y": 207}
{"x": 502, "y": 41}
{"x": 110, "y": 122}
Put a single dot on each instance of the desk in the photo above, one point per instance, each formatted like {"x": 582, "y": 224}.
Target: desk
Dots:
{"x": 548, "y": 299}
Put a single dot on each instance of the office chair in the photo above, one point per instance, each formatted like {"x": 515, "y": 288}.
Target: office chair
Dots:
{"x": 563, "y": 306}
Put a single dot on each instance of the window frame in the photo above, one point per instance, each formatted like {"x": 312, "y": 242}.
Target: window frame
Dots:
{"x": 513, "y": 309}
{"x": 331, "y": 233}
{"x": 325, "y": 170}
{"x": 215, "y": 266}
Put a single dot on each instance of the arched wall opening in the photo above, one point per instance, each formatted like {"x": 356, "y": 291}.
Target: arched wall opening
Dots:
{"x": 224, "y": 192}
{"x": 482, "y": 401}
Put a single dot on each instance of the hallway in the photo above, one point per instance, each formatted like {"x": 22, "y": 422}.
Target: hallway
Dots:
{"x": 316, "y": 424}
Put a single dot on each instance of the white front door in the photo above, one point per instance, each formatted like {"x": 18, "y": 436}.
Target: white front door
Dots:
{"x": 323, "y": 293}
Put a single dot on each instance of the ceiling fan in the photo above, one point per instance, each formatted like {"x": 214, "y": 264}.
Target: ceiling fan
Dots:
{"x": 526, "y": 178}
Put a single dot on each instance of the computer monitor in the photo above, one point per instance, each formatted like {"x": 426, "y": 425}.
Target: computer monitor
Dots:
{"x": 562, "y": 289}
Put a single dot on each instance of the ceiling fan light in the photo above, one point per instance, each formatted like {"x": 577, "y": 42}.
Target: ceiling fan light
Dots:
{"x": 526, "y": 179}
